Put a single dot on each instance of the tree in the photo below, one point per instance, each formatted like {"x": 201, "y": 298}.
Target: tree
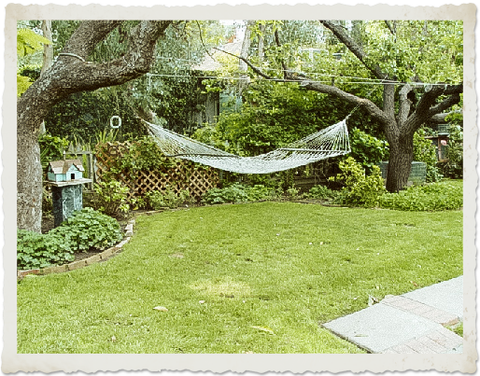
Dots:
{"x": 402, "y": 56}
{"x": 73, "y": 72}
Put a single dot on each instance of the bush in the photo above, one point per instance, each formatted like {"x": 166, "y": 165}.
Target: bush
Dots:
{"x": 167, "y": 199}
{"x": 111, "y": 198}
{"x": 84, "y": 230}
{"x": 425, "y": 151}
{"x": 322, "y": 192}
{"x": 232, "y": 194}
{"x": 430, "y": 197}
{"x": 359, "y": 189}
{"x": 368, "y": 150}
{"x": 87, "y": 229}
{"x": 237, "y": 192}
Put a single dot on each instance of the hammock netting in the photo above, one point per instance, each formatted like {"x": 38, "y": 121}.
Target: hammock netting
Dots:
{"x": 329, "y": 142}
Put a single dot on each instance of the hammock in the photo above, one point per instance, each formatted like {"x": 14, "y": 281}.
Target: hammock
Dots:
{"x": 326, "y": 143}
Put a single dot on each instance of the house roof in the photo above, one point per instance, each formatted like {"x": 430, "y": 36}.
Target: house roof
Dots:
{"x": 61, "y": 167}
{"x": 210, "y": 65}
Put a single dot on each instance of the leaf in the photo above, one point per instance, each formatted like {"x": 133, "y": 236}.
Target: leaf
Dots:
{"x": 263, "y": 329}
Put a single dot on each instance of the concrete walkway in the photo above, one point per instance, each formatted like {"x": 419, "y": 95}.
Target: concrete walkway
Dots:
{"x": 413, "y": 323}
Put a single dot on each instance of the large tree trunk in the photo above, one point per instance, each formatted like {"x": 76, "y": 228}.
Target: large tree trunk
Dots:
{"x": 399, "y": 163}
{"x": 29, "y": 182}
{"x": 72, "y": 73}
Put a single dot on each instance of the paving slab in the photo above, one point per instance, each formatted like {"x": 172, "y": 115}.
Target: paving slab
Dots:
{"x": 413, "y": 323}
{"x": 443, "y": 296}
{"x": 381, "y": 327}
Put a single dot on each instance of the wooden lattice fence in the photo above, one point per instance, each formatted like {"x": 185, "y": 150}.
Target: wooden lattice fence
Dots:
{"x": 176, "y": 175}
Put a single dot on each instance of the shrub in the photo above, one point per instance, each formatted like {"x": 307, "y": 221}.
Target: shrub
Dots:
{"x": 260, "y": 192}
{"x": 359, "y": 189}
{"x": 168, "y": 198}
{"x": 430, "y": 197}
{"x": 111, "y": 198}
{"x": 368, "y": 150}
{"x": 85, "y": 229}
{"x": 232, "y": 194}
{"x": 51, "y": 148}
{"x": 425, "y": 151}
{"x": 322, "y": 192}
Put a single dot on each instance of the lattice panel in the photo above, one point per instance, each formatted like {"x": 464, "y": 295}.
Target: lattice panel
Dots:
{"x": 182, "y": 175}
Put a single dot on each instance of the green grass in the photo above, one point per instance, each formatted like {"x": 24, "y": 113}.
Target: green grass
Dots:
{"x": 238, "y": 278}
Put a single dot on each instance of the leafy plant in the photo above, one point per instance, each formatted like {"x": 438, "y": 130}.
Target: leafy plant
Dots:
{"x": 425, "y": 151}
{"x": 85, "y": 229}
{"x": 360, "y": 189}
{"x": 367, "y": 150}
{"x": 232, "y": 194}
{"x": 167, "y": 199}
{"x": 321, "y": 192}
{"x": 111, "y": 198}
{"x": 51, "y": 148}
{"x": 36, "y": 250}
{"x": 445, "y": 195}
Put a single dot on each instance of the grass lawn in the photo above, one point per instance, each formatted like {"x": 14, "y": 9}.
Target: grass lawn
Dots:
{"x": 239, "y": 278}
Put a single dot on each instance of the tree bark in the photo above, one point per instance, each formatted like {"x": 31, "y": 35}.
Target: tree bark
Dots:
{"x": 72, "y": 72}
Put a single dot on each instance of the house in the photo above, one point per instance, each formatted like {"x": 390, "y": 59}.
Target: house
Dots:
{"x": 217, "y": 102}
{"x": 65, "y": 170}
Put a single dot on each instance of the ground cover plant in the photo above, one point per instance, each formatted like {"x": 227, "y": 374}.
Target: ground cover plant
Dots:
{"x": 444, "y": 195}
{"x": 240, "y": 278}
{"x": 84, "y": 230}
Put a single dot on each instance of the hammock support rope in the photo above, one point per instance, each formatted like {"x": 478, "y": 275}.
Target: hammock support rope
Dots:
{"x": 330, "y": 142}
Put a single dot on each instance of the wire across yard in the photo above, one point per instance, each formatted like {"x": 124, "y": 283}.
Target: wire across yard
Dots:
{"x": 249, "y": 278}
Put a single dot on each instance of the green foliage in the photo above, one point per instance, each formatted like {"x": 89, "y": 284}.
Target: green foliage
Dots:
{"x": 368, "y": 150}
{"x": 111, "y": 198}
{"x": 84, "y": 230}
{"x": 445, "y": 195}
{"x": 425, "y": 151}
{"x": 36, "y": 250}
{"x": 272, "y": 115}
{"x": 86, "y": 116}
{"x": 51, "y": 148}
{"x": 453, "y": 167}
{"x": 359, "y": 189}
{"x": 234, "y": 193}
{"x": 29, "y": 42}
{"x": 168, "y": 199}
{"x": 322, "y": 192}
{"x": 87, "y": 229}
{"x": 237, "y": 193}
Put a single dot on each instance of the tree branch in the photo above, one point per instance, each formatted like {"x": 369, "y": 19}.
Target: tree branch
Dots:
{"x": 88, "y": 35}
{"x": 254, "y": 68}
{"x": 440, "y": 118}
{"x": 405, "y": 103}
{"x": 354, "y": 47}
{"x": 70, "y": 74}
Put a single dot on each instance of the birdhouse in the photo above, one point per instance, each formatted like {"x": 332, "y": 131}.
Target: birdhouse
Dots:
{"x": 66, "y": 180}
{"x": 65, "y": 170}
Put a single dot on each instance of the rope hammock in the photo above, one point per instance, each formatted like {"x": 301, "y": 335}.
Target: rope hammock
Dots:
{"x": 326, "y": 143}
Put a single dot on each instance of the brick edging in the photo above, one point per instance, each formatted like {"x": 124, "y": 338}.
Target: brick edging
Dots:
{"x": 85, "y": 262}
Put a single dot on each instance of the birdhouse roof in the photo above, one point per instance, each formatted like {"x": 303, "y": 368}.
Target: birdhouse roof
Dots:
{"x": 61, "y": 167}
